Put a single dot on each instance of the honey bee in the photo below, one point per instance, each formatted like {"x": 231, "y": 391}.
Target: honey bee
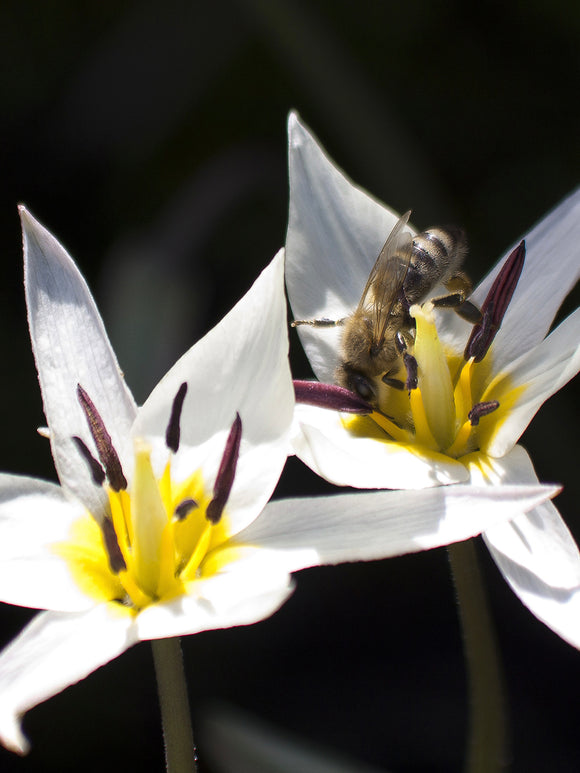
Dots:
{"x": 378, "y": 336}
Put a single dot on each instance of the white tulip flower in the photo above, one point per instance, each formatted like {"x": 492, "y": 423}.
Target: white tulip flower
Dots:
{"x": 475, "y": 394}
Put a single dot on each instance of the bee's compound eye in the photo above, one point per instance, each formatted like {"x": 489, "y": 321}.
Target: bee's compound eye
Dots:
{"x": 363, "y": 387}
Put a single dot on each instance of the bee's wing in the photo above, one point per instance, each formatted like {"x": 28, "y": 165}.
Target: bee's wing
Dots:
{"x": 385, "y": 282}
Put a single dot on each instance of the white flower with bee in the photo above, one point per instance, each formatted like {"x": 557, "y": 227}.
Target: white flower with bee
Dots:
{"x": 477, "y": 387}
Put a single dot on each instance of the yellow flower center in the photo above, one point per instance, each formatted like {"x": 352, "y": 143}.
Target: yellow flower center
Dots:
{"x": 162, "y": 532}
{"x": 447, "y": 412}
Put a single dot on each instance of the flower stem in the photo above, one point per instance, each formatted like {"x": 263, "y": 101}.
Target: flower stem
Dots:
{"x": 487, "y": 731}
{"x": 180, "y": 753}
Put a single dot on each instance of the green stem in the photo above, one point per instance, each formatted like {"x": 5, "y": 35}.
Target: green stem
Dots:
{"x": 487, "y": 731}
{"x": 180, "y": 753}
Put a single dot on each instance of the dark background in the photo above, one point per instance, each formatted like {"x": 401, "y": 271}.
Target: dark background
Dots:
{"x": 150, "y": 138}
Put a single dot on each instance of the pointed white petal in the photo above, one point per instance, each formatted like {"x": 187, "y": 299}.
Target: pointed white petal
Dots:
{"x": 558, "y": 608}
{"x": 540, "y": 544}
{"x": 323, "y": 443}
{"x": 540, "y": 561}
{"x": 251, "y": 587}
{"x": 542, "y": 371}
{"x": 335, "y": 232}
{"x": 54, "y": 651}
{"x": 536, "y": 553}
{"x": 35, "y": 517}
{"x": 71, "y": 347}
{"x": 375, "y": 525}
{"x": 239, "y": 366}
{"x": 551, "y": 269}
{"x": 537, "y": 543}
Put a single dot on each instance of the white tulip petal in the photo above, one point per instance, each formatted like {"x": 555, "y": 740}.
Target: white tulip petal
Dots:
{"x": 321, "y": 441}
{"x": 71, "y": 347}
{"x": 542, "y": 371}
{"x": 241, "y": 366}
{"x": 35, "y": 516}
{"x": 54, "y": 651}
{"x": 537, "y": 543}
{"x": 551, "y": 270}
{"x": 515, "y": 467}
{"x": 335, "y": 233}
{"x": 558, "y": 608}
{"x": 540, "y": 544}
{"x": 555, "y": 604}
{"x": 249, "y": 589}
{"x": 376, "y": 525}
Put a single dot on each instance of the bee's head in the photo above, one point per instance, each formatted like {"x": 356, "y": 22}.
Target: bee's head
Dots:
{"x": 363, "y": 385}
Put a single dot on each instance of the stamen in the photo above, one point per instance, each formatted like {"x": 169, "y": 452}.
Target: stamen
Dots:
{"x": 225, "y": 477}
{"x": 496, "y": 304}
{"x": 184, "y": 508}
{"x": 97, "y": 472}
{"x": 116, "y": 559}
{"x": 335, "y": 398}
{"x": 481, "y": 409}
{"x": 387, "y": 423}
{"x": 173, "y": 432}
{"x": 107, "y": 454}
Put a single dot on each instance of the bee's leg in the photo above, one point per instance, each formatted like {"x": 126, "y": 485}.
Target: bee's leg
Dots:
{"x": 393, "y": 381}
{"x": 324, "y": 322}
{"x": 469, "y": 312}
{"x": 411, "y": 380}
{"x": 403, "y": 341}
{"x": 459, "y": 286}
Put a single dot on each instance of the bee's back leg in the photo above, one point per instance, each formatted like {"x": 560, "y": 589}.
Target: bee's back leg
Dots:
{"x": 460, "y": 287}
{"x": 324, "y": 322}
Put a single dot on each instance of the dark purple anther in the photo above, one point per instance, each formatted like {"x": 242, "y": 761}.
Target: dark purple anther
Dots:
{"x": 481, "y": 409}
{"x": 335, "y": 398}
{"x": 97, "y": 472}
{"x": 225, "y": 477}
{"x": 184, "y": 508}
{"x": 173, "y": 431}
{"x": 495, "y": 305}
{"x": 104, "y": 444}
{"x": 116, "y": 560}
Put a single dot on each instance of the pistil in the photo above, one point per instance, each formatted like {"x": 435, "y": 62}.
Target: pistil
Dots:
{"x": 434, "y": 379}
